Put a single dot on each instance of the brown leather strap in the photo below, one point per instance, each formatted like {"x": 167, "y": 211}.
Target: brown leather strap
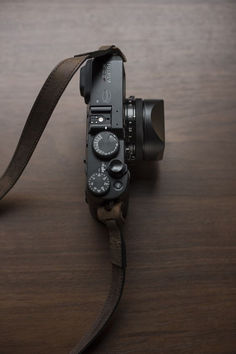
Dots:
{"x": 118, "y": 259}
{"x": 37, "y": 120}
{"x": 41, "y": 112}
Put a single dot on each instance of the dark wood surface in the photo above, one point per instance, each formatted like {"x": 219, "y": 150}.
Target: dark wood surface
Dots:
{"x": 180, "y": 293}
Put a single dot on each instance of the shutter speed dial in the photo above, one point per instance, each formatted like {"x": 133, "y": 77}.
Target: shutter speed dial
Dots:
{"x": 105, "y": 145}
{"x": 99, "y": 183}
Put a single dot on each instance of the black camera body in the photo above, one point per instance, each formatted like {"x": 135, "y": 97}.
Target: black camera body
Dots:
{"x": 120, "y": 131}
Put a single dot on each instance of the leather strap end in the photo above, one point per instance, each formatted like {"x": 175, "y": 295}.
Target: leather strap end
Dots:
{"x": 115, "y": 213}
{"x": 113, "y": 219}
{"x": 117, "y": 244}
{"x": 103, "y": 50}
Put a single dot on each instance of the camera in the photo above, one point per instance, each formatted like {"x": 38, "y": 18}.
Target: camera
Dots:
{"x": 120, "y": 131}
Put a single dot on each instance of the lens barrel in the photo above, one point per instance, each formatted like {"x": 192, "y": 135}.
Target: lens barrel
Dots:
{"x": 145, "y": 132}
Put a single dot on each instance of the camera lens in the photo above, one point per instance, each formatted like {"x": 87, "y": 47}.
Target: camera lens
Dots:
{"x": 145, "y": 137}
{"x": 153, "y": 129}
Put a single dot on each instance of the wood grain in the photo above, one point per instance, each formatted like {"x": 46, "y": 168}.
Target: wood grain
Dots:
{"x": 180, "y": 294}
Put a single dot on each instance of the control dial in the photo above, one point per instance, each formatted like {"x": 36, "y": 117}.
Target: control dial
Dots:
{"x": 99, "y": 183}
{"x": 105, "y": 145}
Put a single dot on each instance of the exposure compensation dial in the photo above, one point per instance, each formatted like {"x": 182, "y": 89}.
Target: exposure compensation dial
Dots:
{"x": 99, "y": 183}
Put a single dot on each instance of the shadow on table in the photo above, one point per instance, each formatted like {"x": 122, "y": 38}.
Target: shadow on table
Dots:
{"x": 11, "y": 204}
{"x": 145, "y": 175}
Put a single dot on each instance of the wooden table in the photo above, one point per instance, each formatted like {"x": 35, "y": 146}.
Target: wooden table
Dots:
{"x": 180, "y": 293}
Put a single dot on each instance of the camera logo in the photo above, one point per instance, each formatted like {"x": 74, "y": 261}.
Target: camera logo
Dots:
{"x": 106, "y": 73}
{"x": 106, "y": 96}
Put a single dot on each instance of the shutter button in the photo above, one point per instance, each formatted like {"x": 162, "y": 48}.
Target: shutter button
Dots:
{"x": 117, "y": 168}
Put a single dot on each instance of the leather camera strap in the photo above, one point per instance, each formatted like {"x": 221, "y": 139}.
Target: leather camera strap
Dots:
{"x": 37, "y": 120}
{"x": 41, "y": 112}
{"x": 113, "y": 219}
